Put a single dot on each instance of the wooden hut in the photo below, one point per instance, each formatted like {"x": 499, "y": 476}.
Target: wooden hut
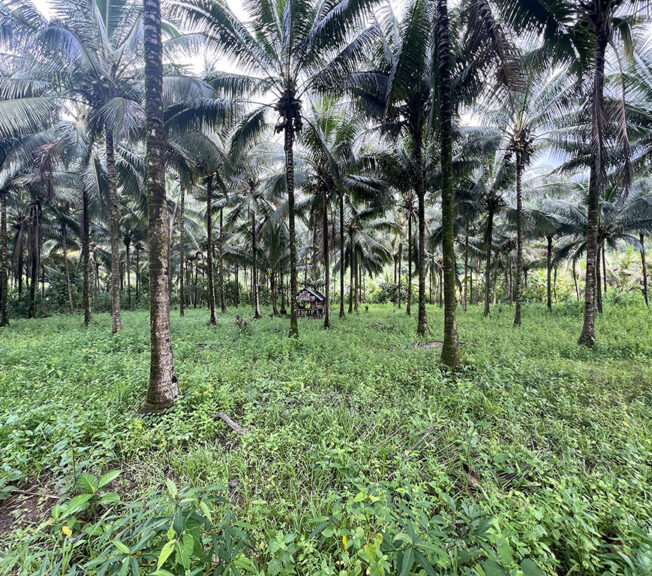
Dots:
{"x": 310, "y": 303}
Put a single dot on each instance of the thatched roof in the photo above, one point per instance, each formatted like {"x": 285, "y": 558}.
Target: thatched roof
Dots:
{"x": 309, "y": 295}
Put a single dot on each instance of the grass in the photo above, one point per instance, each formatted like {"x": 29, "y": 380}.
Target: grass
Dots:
{"x": 535, "y": 456}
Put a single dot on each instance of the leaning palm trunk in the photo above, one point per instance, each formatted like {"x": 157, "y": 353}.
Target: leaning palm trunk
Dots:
{"x": 596, "y": 183}
{"x": 487, "y": 271}
{"x": 646, "y": 295}
{"x": 450, "y": 353}
{"x": 86, "y": 260}
{"x": 519, "y": 239}
{"x": 66, "y": 267}
{"x": 254, "y": 268}
{"x": 163, "y": 388}
{"x": 422, "y": 319}
{"x": 289, "y": 181}
{"x": 182, "y": 201}
{"x": 209, "y": 248}
{"x": 327, "y": 303}
{"x": 114, "y": 221}
{"x": 4, "y": 283}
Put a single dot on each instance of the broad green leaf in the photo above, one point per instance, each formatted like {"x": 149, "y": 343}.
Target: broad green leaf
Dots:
{"x": 109, "y": 477}
{"x": 165, "y": 553}
{"x": 408, "y": 560}
{"x": 120, "y": 546}
{"x": 530, "y": 568}
{"x": 172, "y": 488}
{"x": 89, "y": 482}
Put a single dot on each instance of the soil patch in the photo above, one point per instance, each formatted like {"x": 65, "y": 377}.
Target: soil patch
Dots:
{"x": 29, "y": 504}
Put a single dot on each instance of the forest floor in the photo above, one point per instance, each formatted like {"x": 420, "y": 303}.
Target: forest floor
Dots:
{"x": 361, "y": 455}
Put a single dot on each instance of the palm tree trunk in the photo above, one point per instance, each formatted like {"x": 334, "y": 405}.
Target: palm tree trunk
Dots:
{"x": 342, "y": 315}
{"x": 66, "y": 267}
{"x": 209, "y": 249}
{"x": 114, "y": 222}
{"x": 646, "y": 295}
{"x": 441, "y": 287}
{"x": 466, "y": 267}
{"x": 577, "y": 289}
{"x": 587, "y": 336}
{"x": 519, "y": 238}
{"x": 254, "y": 267}
{"x": 604, "y": 265}
{"x": 163, "y": 387}
{"x": 422, "y": 318}
{"x": 398, "y": 286}
{"x": 34, "y": 253}
{"x": 221, "y": 262}
{"x": 430, "y": 273}
{"x": 272, "y": 288}
{"x": 4, "y": 263}
{"x": 289, "y": 182}
{"x": 237, "y": 284}
{"x": 598, "y": 280}
{"x": 549, "y": 272}
{"x": 450, "y": 352}
{"x": 182, "y": 241}
{"x": 128, "y": 267}
{"x": 408, "y": 306}
{"x": 356, "y": 291}
{"x": 351, "y": 264}
{"x": 327, "y": 271}
{"x": 487, "y": 272}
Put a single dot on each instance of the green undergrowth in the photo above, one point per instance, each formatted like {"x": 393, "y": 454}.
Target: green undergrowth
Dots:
{"x": 361, "y": 455}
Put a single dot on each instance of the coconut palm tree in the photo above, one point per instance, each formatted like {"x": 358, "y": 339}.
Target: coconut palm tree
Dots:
{"x": 290, "y": 47}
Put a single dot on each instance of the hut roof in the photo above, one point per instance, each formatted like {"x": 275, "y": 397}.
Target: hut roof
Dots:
{"x": 309, "y": 295}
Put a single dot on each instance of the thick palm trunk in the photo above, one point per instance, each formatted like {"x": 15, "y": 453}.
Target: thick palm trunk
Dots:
{"x": 408, "y": 304}
{"x": 289, "y": 181}
{"x": 450, "y": 353}
{"x": 114, "y": 224}
{"x": 66, "y": 266}
{"x": 182, "y": 240}
{"x": 519, "y": 238}
{"x": 646, "y": 295}
{"x": 163, "y": 388}
{"x": 596, "y": 183}
{"x": 549, "y": 273}
{"x": 209, "y": 248}
{"x": 327, "y": 272}
{"x": 221, "y": 262}
{"x": 254, "y": 268}
{"x": 34, "y": 255}
{"x": 487, "y": 271}
{"x": 342, "y": 315}
{"x": 4, "y": 263}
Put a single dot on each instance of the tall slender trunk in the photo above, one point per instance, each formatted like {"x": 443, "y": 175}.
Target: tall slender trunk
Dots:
{"x": 450, "y": 353}
{"x": 422, "y": 318}
{"x": 398, "y": 285}
{"x": 646, "y": 294}
{"x": 4, "y": 263}
{"x": 487, "y": 272}
{"x": 254, "y": 267}
{"x": 327, "y": 264}
{"x": 356, "y": 291}
{"x": 352, "y": 266}
{"x": 471, "y": 285}
{"x": 519, "y": 238}
{"x": 182, "y": 241}
{"x": 163, "y": 387}
{"x": 577, "y": 288}
{"x": 20, "y": 273}
{"x": 173, "y": 221}
{"x": 408, "y": 304}
{"x": 209, "y": 248}
{"x": 272, "y": 289}
{"x": 42, "y": 282}
{"x": 289, "y": 182}
{"x": 221, "y": 262}
{"x": 604, "y": 265}
{"x": 549, "y": 272}
{"x": 66, "y": 266}
{"x": 237, "y": 284}
{"x": 34, "y": 255}
{"x": 114, "y": 224}
{"x": 128, "y": 270}
{"x": 598, "y": 280}
{"x": 596, "y": 184}
{"x": 432, "y": 269}
{"x": 342, "y": 315}
{"x": 282, "y": 286}
{"x": 466, "y": 267}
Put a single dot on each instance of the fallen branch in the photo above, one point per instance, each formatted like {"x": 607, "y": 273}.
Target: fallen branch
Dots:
{"x": 230, "y": 423}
